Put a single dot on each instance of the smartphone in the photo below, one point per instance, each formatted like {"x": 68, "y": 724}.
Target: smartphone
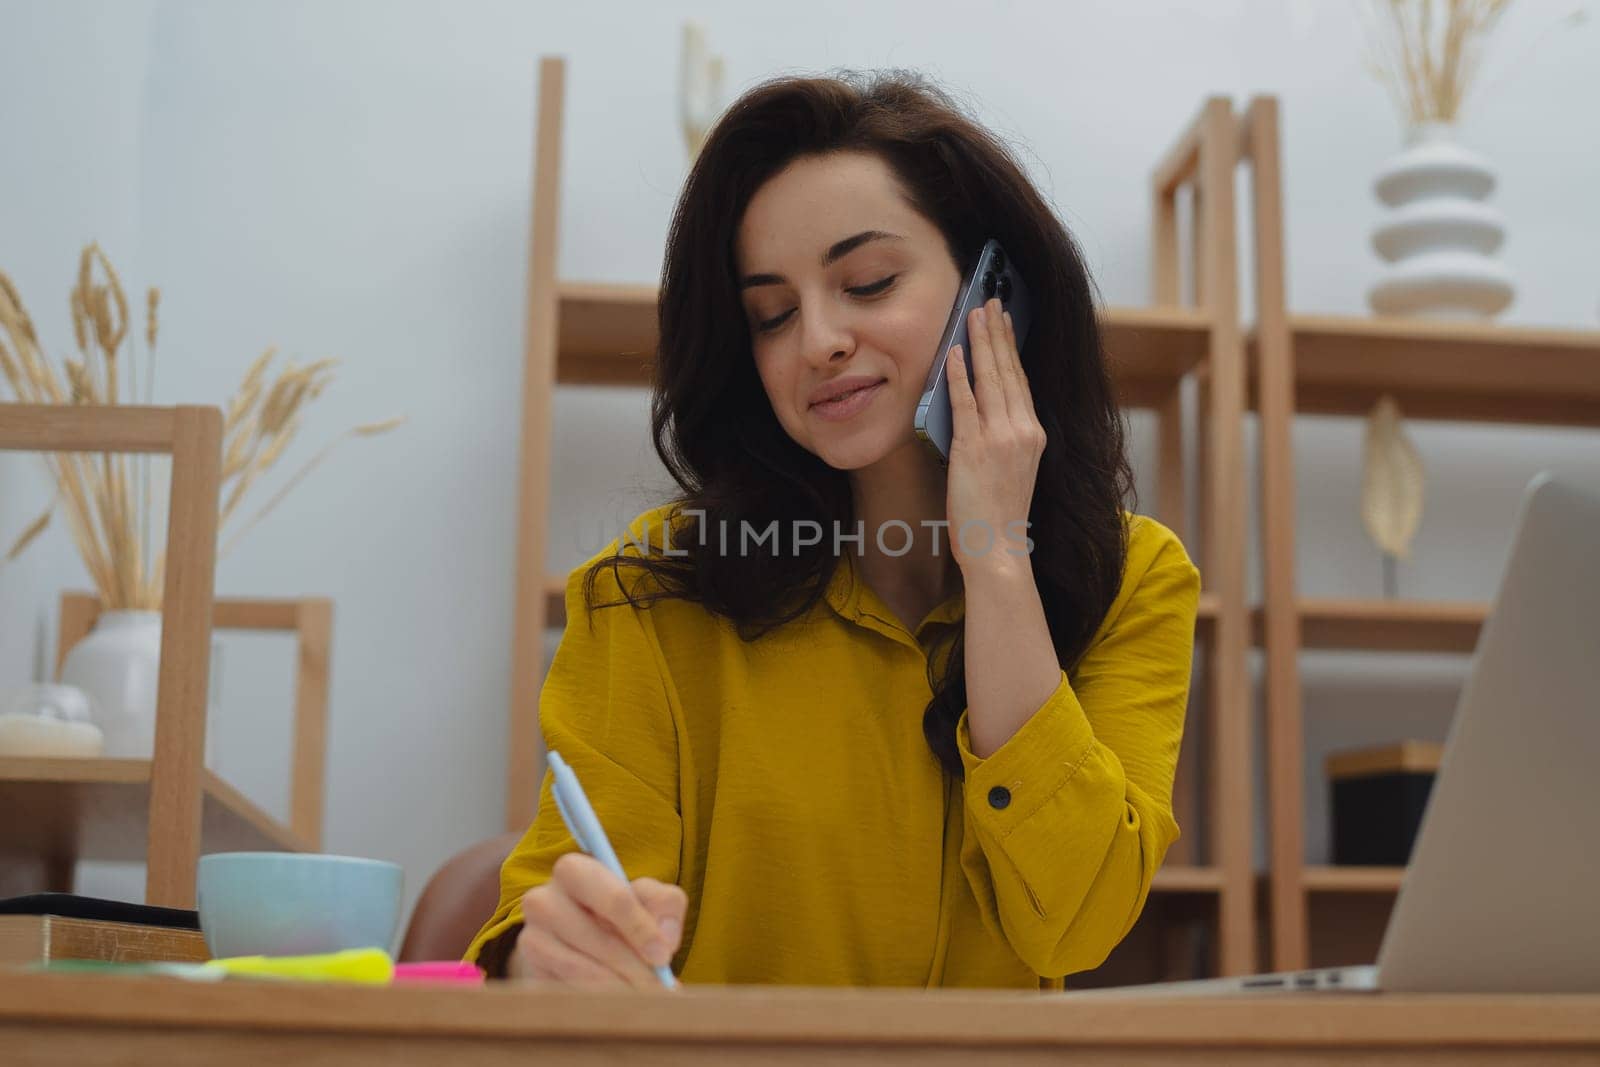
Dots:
{"x": 992, "y": 275}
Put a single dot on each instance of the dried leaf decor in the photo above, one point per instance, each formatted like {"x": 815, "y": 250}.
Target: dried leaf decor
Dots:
{"x": 1392, "y": 481}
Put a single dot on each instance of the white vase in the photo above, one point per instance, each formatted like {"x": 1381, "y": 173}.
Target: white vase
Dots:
{"x": 1439, "y": 240}
{"x": 118, "y": 664}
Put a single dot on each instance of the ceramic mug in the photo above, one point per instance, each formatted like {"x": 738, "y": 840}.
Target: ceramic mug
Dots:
{"x": 296, "y": 904}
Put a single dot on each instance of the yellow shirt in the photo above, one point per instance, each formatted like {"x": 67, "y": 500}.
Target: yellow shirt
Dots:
{"x": 786, "y": 785}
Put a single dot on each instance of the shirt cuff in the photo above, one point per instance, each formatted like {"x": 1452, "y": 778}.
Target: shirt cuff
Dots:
{"x": 1032, "y": 765}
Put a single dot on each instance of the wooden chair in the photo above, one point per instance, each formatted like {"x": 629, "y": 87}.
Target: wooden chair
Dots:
{"x": 457, "y": 901}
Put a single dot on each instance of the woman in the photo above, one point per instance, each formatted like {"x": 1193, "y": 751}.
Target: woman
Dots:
{"x": 832, "y": 741}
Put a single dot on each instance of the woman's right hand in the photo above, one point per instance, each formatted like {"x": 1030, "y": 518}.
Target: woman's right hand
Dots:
{"x": 586, "y": 927}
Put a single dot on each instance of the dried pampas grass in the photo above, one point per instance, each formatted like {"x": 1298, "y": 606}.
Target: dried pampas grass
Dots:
{"x": 110, "y": 528}
{"x": 1427, "y": 52}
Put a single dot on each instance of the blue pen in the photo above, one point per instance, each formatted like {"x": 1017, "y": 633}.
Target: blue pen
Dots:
{"x": 584, "y": 826}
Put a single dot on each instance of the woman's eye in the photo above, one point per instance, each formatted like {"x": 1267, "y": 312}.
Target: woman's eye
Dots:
{"x": 772, "y": 324}
{"x": 862, "y": 290}
{"x": 876, "y": 287}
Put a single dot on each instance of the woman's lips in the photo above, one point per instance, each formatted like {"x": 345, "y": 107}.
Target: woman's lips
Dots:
{"x": 848, "y": 405}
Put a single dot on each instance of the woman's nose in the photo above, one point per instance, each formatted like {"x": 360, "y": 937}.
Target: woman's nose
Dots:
{"x": 825, "y": 337}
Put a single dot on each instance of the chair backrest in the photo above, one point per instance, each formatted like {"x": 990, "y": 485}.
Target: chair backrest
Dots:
{"x": 457, "y": 901}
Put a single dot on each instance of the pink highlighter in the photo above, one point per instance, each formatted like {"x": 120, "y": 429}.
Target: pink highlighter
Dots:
{"x": 449, "y": 972}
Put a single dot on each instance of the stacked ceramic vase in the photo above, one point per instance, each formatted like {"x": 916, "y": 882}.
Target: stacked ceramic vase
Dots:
{"x": 1439, "y": 236}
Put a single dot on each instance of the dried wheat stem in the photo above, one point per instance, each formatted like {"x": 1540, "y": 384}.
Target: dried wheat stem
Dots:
{"x": 277, "y": 497}
{"x": 250, "y": 389}
{"x": 368, "y": 430}
{"x": 41, "y": 384}
{"x": 276, "y": 424}
{"x": 13, "y": 372}
{"x": 265, "y": 460}
{"x": 80, "y": 319}
{"x": 151, "y": 331}
{"x": 116, "y": 542}
{"x": 110, "y": 328}
{"x": 158, "y": 579}
{"x": 107, "y": 500}
{"x": 34, "y": 529}
{"x": 71, "y": 479}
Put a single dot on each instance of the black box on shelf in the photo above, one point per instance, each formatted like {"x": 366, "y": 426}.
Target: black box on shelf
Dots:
{"x": 1377, "y": 799}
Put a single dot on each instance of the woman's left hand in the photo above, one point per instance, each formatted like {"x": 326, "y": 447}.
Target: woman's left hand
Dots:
{"x": 995, "y": 448}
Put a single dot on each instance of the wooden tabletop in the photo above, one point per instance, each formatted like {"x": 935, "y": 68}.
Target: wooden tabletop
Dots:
{"x": 64, "y": 1018}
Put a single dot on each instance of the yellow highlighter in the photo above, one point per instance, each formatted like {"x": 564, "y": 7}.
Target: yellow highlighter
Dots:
{"x": 371, "y": 966}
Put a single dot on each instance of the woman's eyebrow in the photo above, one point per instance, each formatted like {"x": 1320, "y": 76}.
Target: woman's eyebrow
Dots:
{"x": 836, "y": 251}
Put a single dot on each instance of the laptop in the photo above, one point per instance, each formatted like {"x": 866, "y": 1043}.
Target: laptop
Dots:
{"x": 1502, "y": 893}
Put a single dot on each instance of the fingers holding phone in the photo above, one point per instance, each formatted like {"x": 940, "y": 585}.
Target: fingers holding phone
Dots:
{"x": 996, "y": 446}
{"x": 993, "y": 279}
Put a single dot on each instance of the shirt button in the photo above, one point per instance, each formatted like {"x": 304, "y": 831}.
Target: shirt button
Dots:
{"x": 999, "y": 797}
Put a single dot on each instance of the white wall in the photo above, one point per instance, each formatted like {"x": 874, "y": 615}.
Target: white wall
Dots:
{"x": 351, "y": 179}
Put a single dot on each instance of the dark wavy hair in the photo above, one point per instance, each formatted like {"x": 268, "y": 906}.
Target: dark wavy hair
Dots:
{"x": 716, "y": 432}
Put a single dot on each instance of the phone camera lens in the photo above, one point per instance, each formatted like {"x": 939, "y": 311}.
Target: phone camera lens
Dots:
{"x": 988, "y": 283}
{"x": 1003, "y": 288}
{"x": 998, "y": 261}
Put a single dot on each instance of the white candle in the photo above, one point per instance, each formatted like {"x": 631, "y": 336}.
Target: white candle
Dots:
{"x": 35, "y": 735}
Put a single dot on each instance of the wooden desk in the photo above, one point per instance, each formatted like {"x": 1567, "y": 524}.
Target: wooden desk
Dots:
{"x": 76, "y": 1019}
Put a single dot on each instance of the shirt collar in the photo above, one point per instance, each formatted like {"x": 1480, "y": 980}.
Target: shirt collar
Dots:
{"x": 854, "y": 600}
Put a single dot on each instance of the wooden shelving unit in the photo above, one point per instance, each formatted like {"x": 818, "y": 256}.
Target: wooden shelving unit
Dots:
{"x": 172, "y": 782}
{"x": 1465, "y": 372}
{"x": 605, "y": 334}
{"x": 1182, "y": 879}
{"x": 97, "y": 809}
{"x": 168, "y": 809}
{"x": 1325, "y": 879}
{"x": 1394, "y": 626}
{"x": 309, "y": 620}
{"x": 1333, "y": 365}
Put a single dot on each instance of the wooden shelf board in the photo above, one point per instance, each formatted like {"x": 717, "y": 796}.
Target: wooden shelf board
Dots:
{"x": 1444, "y": 370}
{"x": 1385, "y": 625}
{"x": 1353, "y": 879}
{"x": 99, "y": 809}
{"x": 607, "y": 333}
{"x": 607, "y": 336}
{"x": 1179, "y": 879}
{"x": 1150, "y": 350}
